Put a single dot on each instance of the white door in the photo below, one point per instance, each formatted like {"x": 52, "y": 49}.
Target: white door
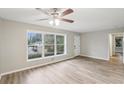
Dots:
{"x": 77, "y": 45}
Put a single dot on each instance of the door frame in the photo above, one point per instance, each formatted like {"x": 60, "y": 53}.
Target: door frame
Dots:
{"x": 110, "y": 44}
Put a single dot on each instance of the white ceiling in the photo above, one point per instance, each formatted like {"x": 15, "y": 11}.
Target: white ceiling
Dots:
{"x": 86, "y": 19}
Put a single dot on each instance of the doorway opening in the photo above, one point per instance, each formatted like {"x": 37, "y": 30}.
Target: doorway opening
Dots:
{"x": 116, "y": 47}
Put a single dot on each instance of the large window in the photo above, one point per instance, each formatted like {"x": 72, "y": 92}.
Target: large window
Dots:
{"x": 42, "y": 45}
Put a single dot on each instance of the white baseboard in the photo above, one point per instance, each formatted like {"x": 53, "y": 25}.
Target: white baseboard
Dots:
{"x": 95, "y": 57}
{"x": 26, "y": 68}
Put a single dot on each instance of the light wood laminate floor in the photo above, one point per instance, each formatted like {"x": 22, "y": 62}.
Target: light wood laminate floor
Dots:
{"x": 79, "y": 70}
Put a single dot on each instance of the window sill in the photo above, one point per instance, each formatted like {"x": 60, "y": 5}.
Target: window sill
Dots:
{"x": 36, "y": 59}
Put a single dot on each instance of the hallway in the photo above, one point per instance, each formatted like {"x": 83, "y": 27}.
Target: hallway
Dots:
{"x": 117, "y": 59}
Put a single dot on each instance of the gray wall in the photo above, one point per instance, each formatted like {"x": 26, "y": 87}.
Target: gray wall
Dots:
{"x": 13, "y": 45}
{"x": 96, "y": 44}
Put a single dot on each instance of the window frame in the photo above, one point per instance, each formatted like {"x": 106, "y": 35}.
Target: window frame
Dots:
{"x": 43, "y": 33}
{"x": 59, "y": 44}
{"x": 44, "y": 44}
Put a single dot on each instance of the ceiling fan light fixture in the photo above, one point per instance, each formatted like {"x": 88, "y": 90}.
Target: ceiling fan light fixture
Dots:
{"x": 57, "y": 22}
{"x": 54, "y": 22}
{"x": 55, "y": 15}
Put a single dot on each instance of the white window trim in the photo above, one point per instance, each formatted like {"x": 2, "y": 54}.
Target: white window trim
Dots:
{"x": 43, "y": 33}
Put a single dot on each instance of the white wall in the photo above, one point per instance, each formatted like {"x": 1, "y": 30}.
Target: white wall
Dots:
{"x": 13, "y": 46}
{"x": 1, "y": 35}
{"x": 96, "y": 44}
{"x": 77, "y": 45}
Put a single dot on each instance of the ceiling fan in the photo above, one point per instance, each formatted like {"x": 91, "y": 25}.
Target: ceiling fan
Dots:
{"x": 55, "y": 15}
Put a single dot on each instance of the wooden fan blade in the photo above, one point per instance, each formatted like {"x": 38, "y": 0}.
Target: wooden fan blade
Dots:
{"x": 41, "y": 10}
{"x": 66, "y": 12}
{"x": 42, "y": 19}
{"x": 67, "y": 20}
